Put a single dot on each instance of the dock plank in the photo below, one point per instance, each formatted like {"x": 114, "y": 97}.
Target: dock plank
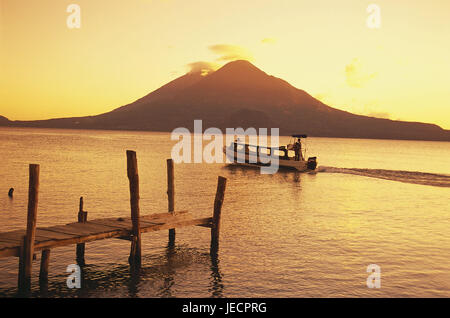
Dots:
{"x": 6, "y": 244}
{"x": 9, "y": 251}
{"x": 90, "y": 226}
{"x": 114, "y": 223}
{"x": 176, "y": 224}
{"x": 43, "y": 232}
{"x": 8, "y": 240}
{"x": 16, "y": 235}
{"x": 161, "y": 217}
{"x": 70, "y": 229}
{"x": 97, "y": 229}
{"x": 82, "y": 239}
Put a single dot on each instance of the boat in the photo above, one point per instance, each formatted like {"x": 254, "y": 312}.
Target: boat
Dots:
{"x": 290, "y": 156}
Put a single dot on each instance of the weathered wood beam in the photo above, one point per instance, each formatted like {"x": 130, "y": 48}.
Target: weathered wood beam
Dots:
{"x": 25, "y": 265}
{"x": 133, "y": 177}
{"x": 82, "y": 218}
{"x": 178, "y": 224}
{"x": 76, "y": 233}
{"x": 171, "y": 197}
{"x": 45, "y": 261}
{"x": 218, "y": 202}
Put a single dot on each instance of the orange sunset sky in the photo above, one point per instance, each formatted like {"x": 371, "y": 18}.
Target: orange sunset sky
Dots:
{"x": 125, "y": 49}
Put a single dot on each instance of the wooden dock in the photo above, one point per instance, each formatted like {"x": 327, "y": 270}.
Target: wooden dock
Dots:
{"x": 25, "y": 243}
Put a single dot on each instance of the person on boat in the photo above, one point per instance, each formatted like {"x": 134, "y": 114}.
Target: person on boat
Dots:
{"x": 297, "y": 149}
{"x": 285, "y": 153}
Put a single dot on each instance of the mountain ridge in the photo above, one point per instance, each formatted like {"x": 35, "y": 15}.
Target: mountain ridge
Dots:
{"x": 241, "y": 95}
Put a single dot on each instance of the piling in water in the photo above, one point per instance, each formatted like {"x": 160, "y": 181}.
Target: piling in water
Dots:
{"x": 133, "y": 177}
{"x": 27, "y": 250}
{"x": 23, "y": 244}
{"x": 82, "y": 218}
{"x": 43, "y": 273}
{"x": 218, "y": 202}
{"x": 171, "y": 198}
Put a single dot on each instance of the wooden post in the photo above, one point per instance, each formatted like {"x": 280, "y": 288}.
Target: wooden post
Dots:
{"x": 21, "y": 274}
{"x": 215, "y": 227}
{"x": 133, "y": 177}
{"x": 171, "y": 197}
{"x": 27, "y": 251}
{"x": 82, "y": 218}
{"x": 45, "y": 261}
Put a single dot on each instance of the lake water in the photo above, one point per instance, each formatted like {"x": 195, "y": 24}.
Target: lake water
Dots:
{"x": 290, "y": 234}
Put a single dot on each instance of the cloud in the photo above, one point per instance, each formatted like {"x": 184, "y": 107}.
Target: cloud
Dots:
{"x": 380, "y": 115}
{"x": 230, "y": 52}
{"x": 226, "y": 52}
{"x": 202, "y": 67}
{"x": 269, "y": 41}
{"x": 356, "y": 75}
{"x": 322, "y": 97}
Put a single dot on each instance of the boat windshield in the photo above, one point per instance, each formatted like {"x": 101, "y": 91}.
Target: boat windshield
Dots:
{"x": 283, "y": 152}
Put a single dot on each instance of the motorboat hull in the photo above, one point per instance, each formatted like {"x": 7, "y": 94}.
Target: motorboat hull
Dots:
{"x": 252, "y": 159}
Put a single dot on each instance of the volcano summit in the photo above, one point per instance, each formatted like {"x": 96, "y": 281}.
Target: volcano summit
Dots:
{"x": 241, "y": 95}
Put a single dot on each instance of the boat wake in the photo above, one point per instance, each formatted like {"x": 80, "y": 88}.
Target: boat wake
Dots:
{"x": 431, "y": 179}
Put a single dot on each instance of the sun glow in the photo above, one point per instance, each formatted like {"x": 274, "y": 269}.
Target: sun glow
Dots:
{"x": 122, "y": 51}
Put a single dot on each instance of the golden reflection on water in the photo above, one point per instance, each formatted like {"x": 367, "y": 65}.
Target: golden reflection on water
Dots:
{"x": 284, "y": 235}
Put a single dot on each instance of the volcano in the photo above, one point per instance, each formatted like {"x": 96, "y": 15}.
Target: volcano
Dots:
{"x": 241, "y": 95}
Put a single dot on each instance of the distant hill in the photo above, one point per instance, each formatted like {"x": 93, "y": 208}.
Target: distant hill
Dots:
{"x": 4, "y": 120}
{"x": 241, "y": 95}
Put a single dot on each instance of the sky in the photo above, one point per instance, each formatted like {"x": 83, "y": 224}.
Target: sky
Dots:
{"x": 125, "y": 49}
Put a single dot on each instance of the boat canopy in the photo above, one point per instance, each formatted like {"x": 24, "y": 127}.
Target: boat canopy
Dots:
{"x": 299, "y": 136}
{"x": 257, "y": 146}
